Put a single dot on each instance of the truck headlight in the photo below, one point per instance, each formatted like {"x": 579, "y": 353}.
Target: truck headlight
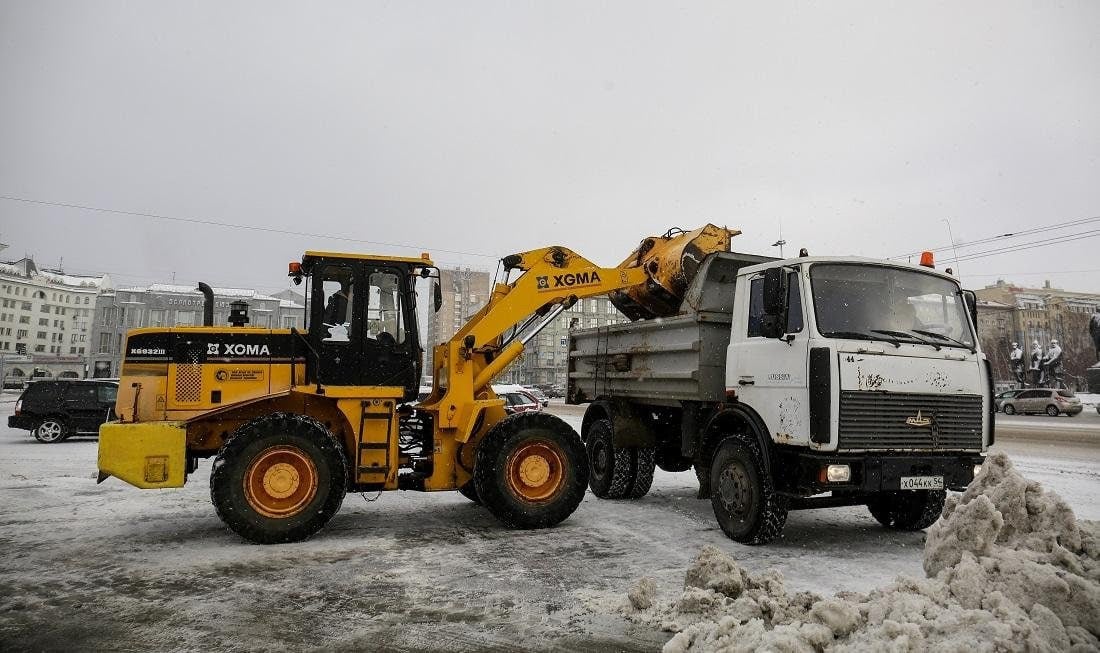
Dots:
{"x": 838, "y": 473}
{"x": 977, "y": 470}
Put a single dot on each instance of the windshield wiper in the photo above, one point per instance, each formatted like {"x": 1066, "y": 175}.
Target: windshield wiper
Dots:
{"x": 860, "y": 335}
{"x": 909, "y": 335}
{"x": 941, "y": 336}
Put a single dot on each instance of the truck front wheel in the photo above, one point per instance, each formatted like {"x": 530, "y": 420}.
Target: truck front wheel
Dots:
{"x": 741, "y": 493}
{"x": 530, "y": 470}
{"x": 280, "y": 478}
{"x": 908, "y": 510}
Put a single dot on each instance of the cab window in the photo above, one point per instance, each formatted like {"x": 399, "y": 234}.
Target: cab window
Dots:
{"x": 338, "y": 298}
{"x": 385, "y": 322}
{"x": 795, "y": 320}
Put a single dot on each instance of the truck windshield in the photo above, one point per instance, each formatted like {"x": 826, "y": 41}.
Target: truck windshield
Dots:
{"x": 882, "y": 303}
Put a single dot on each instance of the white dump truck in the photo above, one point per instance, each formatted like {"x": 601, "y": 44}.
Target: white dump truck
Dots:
{"x": 811, "y": 382}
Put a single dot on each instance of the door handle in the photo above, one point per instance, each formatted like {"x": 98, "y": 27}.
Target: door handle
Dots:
{"x": 746, "y": 382}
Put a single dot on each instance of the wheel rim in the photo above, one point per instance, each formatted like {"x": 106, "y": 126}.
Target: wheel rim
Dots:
{"x": 735, "y": 490}
{"x": 1008, "y": 410}
{"x": 536, "y": 471}
{"x": 50, "y": 431}
{"x": 600, "y": 458}
{"x": 1052, "y": 411}
{"x": 280, "y": 481}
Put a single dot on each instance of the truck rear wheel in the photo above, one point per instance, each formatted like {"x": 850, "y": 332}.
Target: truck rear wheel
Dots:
{"x": 530, "y": 470}
{"x": 280, "y": 478}
{"x": 644, "y": 465}
{"x": 741, "y": 493}
{"x": 610, "y": 470}
{"x": 907, "y": 510}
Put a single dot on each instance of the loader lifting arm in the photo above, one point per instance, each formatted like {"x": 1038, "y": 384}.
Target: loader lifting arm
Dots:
{"x": 552, "y": 279}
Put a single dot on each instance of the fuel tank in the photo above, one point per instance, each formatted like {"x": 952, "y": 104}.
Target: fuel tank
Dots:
{"x": 671, "y": 262}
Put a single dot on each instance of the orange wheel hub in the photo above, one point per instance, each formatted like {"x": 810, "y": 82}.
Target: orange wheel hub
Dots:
{"x": 536, "y": 471}
{"x": 280, "y": 481}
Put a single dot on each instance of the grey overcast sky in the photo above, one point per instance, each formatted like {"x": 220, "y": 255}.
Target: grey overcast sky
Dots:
{"x": 475, "y": 129}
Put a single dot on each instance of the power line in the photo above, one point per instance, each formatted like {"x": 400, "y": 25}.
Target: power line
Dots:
{"x": 1020, "y": 247}
{"x": 1014, "y": 234}
{"x": 228, "y": 225}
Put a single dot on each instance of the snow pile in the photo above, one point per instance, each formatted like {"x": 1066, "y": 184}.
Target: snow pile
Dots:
{"x": 1009, "y": 568}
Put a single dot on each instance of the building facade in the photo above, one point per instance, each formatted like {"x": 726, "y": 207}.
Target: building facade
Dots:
{"x": 165, "y": 305}
{"x": 545, "y": 360}
{"x": 45, "y": 321}
{"x": 465, "y": 292}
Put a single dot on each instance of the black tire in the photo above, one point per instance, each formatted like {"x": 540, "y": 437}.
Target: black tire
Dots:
{"x": 644, "y": 464}
{"x": 1009, "y": 409}
{"x": 907, "y": 510}
{"x": 469, "y": 490}
{"x": 742, "y": 495}
{"x": 553, "y": 448}
{"x": 610, "y": 470}
{"x": 1053, "y": 411}
{"x": 299, "y": 439}
{"x": 52, "y": 430}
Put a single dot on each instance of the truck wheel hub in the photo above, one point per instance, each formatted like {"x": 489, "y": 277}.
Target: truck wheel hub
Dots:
{"x": 280, "y": 481}
{"x": 535, "y": 471}
{"x": 734, "y": 490}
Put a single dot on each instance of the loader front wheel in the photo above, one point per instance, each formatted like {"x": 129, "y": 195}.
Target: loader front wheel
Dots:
{"x": 531, "y": 470}
{"x": 280, "y": 478}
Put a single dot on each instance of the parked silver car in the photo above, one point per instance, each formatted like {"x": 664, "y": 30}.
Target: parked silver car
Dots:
{"x": 1000, "y": 398}
{"x": 1043, "y": 400}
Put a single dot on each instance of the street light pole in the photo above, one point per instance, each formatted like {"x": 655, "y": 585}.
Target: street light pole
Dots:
{"x": 780, "y": 243}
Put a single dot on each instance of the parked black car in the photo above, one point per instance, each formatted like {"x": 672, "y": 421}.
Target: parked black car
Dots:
{"x": 55, "y": 409}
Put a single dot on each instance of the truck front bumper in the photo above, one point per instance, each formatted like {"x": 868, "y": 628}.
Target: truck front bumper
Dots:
{"x": 145, "y": 455}
{"x": 874, "y": 472}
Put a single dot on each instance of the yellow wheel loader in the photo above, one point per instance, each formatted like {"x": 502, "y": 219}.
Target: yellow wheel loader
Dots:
{"x": 295, "y": 419}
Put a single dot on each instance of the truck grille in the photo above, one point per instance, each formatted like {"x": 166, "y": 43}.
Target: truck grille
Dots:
{"x": 890, "y": 420}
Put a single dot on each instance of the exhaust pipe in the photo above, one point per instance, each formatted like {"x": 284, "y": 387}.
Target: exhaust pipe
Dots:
{"x": 207, "y": 304}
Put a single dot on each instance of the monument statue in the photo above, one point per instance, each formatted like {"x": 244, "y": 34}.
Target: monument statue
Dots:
{"x": 1052, "y": 366}
{"x": 1035, "y": 369}
{"x": 1016, "y": 361}
{"x": 1094, "y": 331}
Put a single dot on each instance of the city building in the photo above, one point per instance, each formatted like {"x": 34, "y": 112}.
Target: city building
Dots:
{"x": 464, "y": 292}
{"x": 1009, "y": 313}
{"x": 45, "y": 321}
{"x": 545, "y": 360}
{"x": 166, "y": 305}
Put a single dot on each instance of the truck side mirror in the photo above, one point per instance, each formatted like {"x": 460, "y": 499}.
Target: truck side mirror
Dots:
{"x": 774, "y": 321}
{"x": 437, "y": 296}
{"x": 971, "y": 306}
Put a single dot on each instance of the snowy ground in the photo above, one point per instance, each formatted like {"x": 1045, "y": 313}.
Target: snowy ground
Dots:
{"x": 110, "y": 567}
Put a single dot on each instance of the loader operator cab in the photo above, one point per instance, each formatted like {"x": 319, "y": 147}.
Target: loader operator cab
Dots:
{"x": 362, "y": 327}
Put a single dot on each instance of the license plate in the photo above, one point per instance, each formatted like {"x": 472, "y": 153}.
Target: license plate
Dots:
{"x": 922, "y": 482}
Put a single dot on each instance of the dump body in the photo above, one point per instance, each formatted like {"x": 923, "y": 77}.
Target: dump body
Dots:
{"x": 664, "y": 360}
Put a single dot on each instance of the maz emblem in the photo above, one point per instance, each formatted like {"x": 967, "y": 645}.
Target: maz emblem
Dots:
{"x": 918, "y": 420}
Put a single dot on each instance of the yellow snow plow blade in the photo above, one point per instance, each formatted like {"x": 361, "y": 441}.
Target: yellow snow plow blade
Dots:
{"x": 145, "y": 454}
{"x": 671, "y": 263}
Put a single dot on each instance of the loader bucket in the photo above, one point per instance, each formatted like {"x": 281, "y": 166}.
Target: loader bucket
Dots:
{"x": 671, "y": 263}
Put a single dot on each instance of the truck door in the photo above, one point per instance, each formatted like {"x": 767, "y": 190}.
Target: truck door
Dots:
{"x": 769, "y": 374}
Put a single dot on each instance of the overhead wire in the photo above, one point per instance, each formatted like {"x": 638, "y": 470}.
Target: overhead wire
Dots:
{"x": 1014, "y": 234}
{"x": 230, "y": 225}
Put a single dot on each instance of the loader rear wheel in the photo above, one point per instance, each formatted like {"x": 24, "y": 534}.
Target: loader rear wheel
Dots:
{"x": 280, "y": 478}
{"x": 531, "y": 470}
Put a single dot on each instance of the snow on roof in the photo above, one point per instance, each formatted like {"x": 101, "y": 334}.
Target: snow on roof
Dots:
{"x": 192, "y": 290}
{"x": 74, "y": 282}
{"x": 286, "y": 303}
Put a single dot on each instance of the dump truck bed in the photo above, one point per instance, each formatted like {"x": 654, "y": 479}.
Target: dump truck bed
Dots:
{"x": 663, "y": 361}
